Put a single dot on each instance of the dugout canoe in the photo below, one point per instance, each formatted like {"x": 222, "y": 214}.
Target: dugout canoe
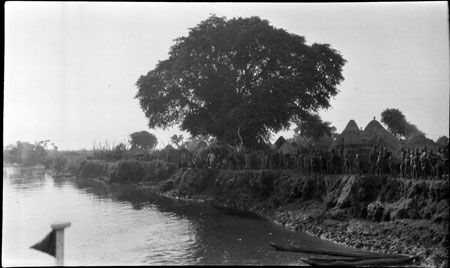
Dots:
{"x": 348, "y": 253}
{"x": 357, "y": 261}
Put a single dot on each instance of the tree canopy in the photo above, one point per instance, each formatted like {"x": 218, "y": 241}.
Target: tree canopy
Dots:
{"x": 313, "y": 127}
{"x": 239, "y": 75}
{"x": 395, "y": 121}
{"x": 28, "y": 154}
{"x": 143, "y": 140}
{"x": 397, "y": 124}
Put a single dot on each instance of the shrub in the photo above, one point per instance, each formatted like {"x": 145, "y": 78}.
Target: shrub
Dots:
{"x": 73, "y": 166}
{"x": 158, "y": 170}
{"x": 59, "y": 163}
{"x": 91, "y": 168}
{"x": 128, "y": 171}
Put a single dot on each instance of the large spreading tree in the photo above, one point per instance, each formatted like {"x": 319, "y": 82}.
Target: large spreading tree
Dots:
{"x": 239, "y": 79}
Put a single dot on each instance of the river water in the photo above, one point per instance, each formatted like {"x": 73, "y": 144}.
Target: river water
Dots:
{"x": 125, "y": 226}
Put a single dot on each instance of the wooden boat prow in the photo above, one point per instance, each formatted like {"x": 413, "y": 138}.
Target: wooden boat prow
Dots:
{"x": 346, "y": 258}
{"x": 357, "y": 262}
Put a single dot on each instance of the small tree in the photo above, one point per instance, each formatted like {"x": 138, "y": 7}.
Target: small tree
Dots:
{"x": 395, "y": 121}
{"x": 143, "y": 140}
{"x": 119, "y": 151}
{"x": 59, "y": 163}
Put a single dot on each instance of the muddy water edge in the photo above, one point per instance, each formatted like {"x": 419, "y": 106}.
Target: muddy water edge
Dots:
{"x": 374, "y": 213}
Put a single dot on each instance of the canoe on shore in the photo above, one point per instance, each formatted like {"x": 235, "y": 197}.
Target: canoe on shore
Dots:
{"x": 348, "y": 253}
{"x": 357, "y": 261}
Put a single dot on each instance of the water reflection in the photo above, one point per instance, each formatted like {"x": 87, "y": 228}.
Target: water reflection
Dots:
{"x": 25, "y": 178}
{"x": 125, "y": 225}
{"x": 212, "y": 235}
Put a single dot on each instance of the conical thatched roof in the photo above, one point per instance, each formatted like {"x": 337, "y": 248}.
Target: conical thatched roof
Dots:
{"x": 169, "y": 148}
{"x": 301, "y": 141}
{"x": 279, "y": 142}
{"x": 325, "y": 138}
{"x": 420, "y": 141}
{"x": 375, "y": 127}
{"x": 381, "y": 135}
{"x": 287, "y": 148}
{"x": 351, "y": 127}
{"x": 324, "y": 142}
{"x": 373, "y": 134}
{"x": 350, "y": 135}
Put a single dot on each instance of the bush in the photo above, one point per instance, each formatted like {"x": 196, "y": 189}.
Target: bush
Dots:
{"x": 158, "y": 170}
{"x": 124, "y": 171}
{"x": 92, "y": 168}
{"x": 73, "y": 166}
{"x": 127, "y": 171}
{"x": 59, "y": 163}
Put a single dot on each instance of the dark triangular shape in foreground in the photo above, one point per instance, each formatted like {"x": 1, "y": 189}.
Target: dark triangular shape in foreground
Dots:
{"x": 48, "y": 244}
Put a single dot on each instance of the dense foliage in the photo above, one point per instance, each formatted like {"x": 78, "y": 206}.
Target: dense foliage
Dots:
{"x": 143, "y": 140}
{"x": 395, "y": 121}
{"x": 28, "y": 154}
{"x": 313, "y": 127}
{"x": 239, "y": 78}
{"x": 397, "y": 124}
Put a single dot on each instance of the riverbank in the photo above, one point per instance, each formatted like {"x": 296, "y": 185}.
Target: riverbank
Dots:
{"x": 374, "y": 213}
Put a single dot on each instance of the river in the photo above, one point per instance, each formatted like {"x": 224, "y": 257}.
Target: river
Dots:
{"x": 125, "y": 226}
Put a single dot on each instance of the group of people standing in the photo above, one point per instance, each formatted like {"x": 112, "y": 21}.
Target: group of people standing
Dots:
{"x": 424, "y": 163}
{"x": 377, "y": 160}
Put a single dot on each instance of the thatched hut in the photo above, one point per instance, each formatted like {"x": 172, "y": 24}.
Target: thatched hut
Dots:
{"x": 323, "y": 143}
{"x": 376, "y": 134}
{"x": 419, "y": 141}
{"x": 288, "y": 148}
{"x": 350, "y": 136}
{"x": 354, "y": 139}
{"x": 279, "y": 142}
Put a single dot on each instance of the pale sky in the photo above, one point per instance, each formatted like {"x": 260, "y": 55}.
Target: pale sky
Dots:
{"x": 71, "y": 67}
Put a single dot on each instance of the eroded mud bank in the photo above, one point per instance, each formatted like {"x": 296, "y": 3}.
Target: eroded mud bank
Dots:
{"x": 378, "y": 213}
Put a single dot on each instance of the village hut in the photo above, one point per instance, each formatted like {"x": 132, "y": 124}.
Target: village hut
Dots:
{"x": 420, "y": 142}
{"x": 350, "y": 136}
{"x": 324, "y": 142}
{"x": 279, "y": 142}
{"x": 376, "y": 134}
{"x": 288, "y": 148}
{"x": 302, "y": 142}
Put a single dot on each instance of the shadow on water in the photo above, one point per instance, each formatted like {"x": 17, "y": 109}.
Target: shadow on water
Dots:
{"x": 241, "y": 213}
{"x": 141, "y": 197}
